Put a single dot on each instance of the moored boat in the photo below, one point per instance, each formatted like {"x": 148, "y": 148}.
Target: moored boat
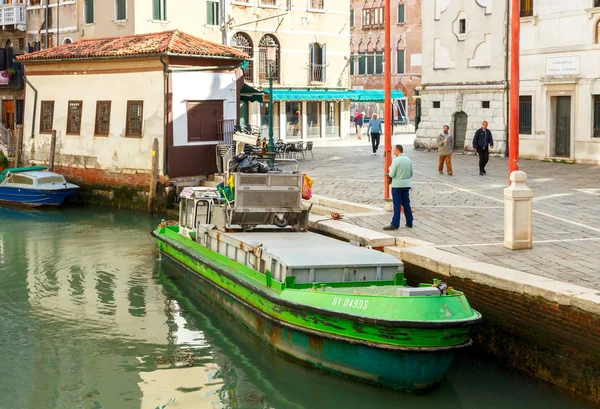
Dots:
{"x": 336, "y": 306}
{"x": 34, "y": 187}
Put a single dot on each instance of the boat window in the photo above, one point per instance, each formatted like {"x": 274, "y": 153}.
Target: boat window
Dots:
{"x": 190, "y": 217}
{"x": 202, "y": 210}
{"x": 183, "y": 214}
{"x": 20, "y": 179}
{"x": 51, "y": 179}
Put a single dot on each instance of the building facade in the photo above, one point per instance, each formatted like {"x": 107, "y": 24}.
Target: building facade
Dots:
{"x": 366, "y": 48}
{"x": 12, "y": 43}
{"x": 464, "y": 71}
{"x": 312, "y": 39}
{"x": 560, "y": 86}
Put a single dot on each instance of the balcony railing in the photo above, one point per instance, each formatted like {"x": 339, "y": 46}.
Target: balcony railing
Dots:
{"x": 316, "y": 72}
{"x": 12, "y": 14}
{"x": 15, "y": 81}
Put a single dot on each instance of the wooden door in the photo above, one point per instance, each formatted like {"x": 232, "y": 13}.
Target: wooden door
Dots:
{"x": 460, "y": 130}
{"x": 8, "y": 114}
{"x": 562, "y": 132}
{"x": 202, "y": 117}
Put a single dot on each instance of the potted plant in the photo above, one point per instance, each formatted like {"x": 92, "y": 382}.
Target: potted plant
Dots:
{"x": 3, "y": 161}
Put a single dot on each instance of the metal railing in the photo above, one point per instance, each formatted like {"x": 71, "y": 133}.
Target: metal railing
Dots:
{"x": 12, "y": 14}
{"x": 7, "y": 141}
{"x": 225, "y": 130}
{"x": 317, "y": 72}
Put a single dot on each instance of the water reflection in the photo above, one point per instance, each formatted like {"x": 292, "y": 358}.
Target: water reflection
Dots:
{"x": 89, "y": 318}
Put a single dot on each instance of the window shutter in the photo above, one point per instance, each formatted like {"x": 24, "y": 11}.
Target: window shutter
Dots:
{"x": 2, "y": 59}
{"x": 9, "y": 58}
{"x": 156, "y": 10}
{"x": 209, "y": 13}
{"x": 401, "y": 13}
{"x": 400, "y": 61}
{"x": 324, "y": 61}
{"x": 89, "y": 12}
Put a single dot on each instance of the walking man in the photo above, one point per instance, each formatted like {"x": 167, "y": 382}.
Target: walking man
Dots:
{"x": 482, "y": 141}
{"x": 359, "y": 123}
{"x": 374, "y": 130}
{"x": 444, "y": 143}
{"x": 400, "y": 173}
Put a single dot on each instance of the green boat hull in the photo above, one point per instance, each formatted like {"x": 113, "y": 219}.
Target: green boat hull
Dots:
{"x": 412, "y": 358}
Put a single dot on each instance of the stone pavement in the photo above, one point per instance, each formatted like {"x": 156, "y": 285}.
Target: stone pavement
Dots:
{"x": 463, "y": 214}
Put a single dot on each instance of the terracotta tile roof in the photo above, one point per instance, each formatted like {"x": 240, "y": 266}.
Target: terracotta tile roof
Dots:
{"x": 164, "y": 43}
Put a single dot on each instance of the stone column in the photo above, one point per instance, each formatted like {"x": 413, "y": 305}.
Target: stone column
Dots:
{"x": 518, "y": 214}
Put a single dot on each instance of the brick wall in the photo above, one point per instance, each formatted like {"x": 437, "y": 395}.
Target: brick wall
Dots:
{"x": 559, "y": 344}
{"x": 101, "y": 177}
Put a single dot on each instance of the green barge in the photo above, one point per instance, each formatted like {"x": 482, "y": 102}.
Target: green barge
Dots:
{"x": 338, "y": 307}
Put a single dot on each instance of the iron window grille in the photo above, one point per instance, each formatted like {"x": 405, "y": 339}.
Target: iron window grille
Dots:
{"x": 596, "y": 105}
{"x": 263, "y": 64}
{"x": 47, "y": 116}
{"x": 102, "y": 124}
{"x": 525, "y": 114}
{"x": 437, "y": 104}
{"x": 485, "y": 104}
{"x": 242, "y": 42}
{"x": 74, "y": 117}
{"x": 135, "y": 111}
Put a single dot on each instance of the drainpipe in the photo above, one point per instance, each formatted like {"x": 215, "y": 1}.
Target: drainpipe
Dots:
{"x": 35, "y": 98}
{"x": 224, "y": 22}
{"x": 47, "y": 18}
{"x": 57, "y": 23}
{"x": 166, "y": 92}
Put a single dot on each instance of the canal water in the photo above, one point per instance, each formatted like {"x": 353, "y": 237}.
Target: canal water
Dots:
{"x": 91, "y": 317}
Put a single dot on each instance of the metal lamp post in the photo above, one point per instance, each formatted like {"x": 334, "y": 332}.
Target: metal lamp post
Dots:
{"x": 271, "y": 56}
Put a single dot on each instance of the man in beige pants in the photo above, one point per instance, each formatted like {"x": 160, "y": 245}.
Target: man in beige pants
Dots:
{"x": 444, "y": 144}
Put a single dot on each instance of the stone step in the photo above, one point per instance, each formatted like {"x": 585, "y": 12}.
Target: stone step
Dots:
{"x": 344, "y": 206}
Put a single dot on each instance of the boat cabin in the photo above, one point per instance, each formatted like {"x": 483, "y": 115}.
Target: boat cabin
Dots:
{"x": 38, "y": 180}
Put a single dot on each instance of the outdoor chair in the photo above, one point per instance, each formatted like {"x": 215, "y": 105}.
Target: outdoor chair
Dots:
{"x": 308, "y": 148}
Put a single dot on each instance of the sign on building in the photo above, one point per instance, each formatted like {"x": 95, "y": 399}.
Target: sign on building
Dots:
{"x": 562, "y": 65}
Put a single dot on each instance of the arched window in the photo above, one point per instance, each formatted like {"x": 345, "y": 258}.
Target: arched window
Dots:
{"x": 66, "y": 41}
{"x": 262, "y": 60}
{"x": 597, "y": 32}
{"x": 362, "y": 59}
{"x": 400, "y": 58}
{"x": 370, "y": 58}
{"x": 352, "y": 58}
{"x": 317, "y": 62}
{"x": 243, "y": 42}
{"x": 378, "y": 58}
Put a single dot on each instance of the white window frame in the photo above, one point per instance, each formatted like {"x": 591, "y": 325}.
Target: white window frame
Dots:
{"x": 218, "y": 14}
{"x": 164, "y": 2}
{"x": 313, "y": 10}
{"x": 117, "y": 20}
{"x": 268, "y": 6}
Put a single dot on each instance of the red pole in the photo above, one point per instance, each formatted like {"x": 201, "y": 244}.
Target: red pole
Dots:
{"x": 515, "y": 53}
{"x": 387, "y": 113}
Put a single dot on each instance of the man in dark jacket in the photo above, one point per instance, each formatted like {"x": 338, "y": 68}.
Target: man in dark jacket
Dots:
{"x": 482, "y": 141}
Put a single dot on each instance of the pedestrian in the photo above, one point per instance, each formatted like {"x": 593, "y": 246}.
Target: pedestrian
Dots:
{"x": 359, "y": 121}
{"x": 444, "y": 143}
{"x": 374, "y": 130}
{"x": 400, "y": 174}
{"x": 482, "y": 142}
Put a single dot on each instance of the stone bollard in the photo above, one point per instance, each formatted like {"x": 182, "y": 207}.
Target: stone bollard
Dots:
{"x": 518, "y": 215}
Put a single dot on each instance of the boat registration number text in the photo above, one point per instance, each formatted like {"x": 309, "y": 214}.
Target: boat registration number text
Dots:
{"x": 350, "y": 303}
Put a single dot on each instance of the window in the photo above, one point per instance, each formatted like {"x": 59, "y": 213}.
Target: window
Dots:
{"x": 597, "y": 30}
{"x": 379, "y": 59}
{"x": 102, "y": 123}
{"x": 401, "y": 19}
{"x": 596, "y": 3}
{"x": 133, "y": 126}
{"x": 370, "y": 61}
{"x": 47, "y": 117}
{"x": 74, "y": 117}
{"x": 159, "y": 10}
{"x": 400, "y": 58}
{"x": 525, "y": 114}
{"x": 317, "y": 67}
{"x": 88, "y": 11}
{"x": 121, "y": 10}
{"x": 317, "y": 4}
{"x": 262, "y": 58}
{"x": 243, "y": 42}
{"x": 596, "y": 103}
{"x": 485, "y": 104}
{"x": 526, "y": 8}
{"x": 462, "y": 26}
{"x": 437, "y": 104}
{"x": 351, "y": 17}
{"x": 20, "y": 179}
{"x": 352, "y": 63}
{"x": 268, "y": 2}
{"x": 212, "y": 13}
{"x": 372, "y": 18}
{"x": 362, "y": 63}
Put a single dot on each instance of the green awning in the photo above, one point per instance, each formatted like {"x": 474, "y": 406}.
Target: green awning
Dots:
{"x": 372, "y": 95}
{"x": 249, "y": 94}
{"x": 355, "y": 95}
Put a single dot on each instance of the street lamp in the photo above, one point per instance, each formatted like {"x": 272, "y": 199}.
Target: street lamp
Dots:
{"x": 271, "y": 56}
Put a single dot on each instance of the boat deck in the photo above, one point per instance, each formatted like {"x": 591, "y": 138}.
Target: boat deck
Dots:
{"x": 311, "y": 250}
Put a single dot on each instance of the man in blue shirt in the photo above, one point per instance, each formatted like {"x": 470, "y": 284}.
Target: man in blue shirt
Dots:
{"x": 401, "y": 173}
{"x": 482, "y": 141}
{"x": 374, "y": 130}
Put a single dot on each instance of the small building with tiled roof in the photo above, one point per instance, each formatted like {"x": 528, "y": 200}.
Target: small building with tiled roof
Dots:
{"x": 109, "y": 98}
